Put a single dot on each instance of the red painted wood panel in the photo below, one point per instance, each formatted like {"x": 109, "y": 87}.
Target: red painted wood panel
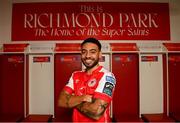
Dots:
{"x": 126, "y": 95}
{"x": 65, "y": 64}
{"x": 12, "y": 84}
{"x": 174, "y": 83}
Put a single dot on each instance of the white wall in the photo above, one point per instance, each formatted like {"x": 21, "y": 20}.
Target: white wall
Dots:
{"x": 5, "y": 20}
{"x": 175, "y": 20}
{"x": 6, "y": 12}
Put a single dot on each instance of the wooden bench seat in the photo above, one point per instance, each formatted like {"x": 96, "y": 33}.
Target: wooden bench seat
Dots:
{"x": 175, "y": 116}
{"x": 38, "y": 118}
{"x": 156, "y": 118}
{"x": 10, "y": 117}
{"x": 127, "y": 118}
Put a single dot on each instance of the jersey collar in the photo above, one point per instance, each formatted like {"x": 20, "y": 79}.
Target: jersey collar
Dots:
{"x": 96, "y": 70}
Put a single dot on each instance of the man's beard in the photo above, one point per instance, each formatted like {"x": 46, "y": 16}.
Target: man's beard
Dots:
{"x": 91, "y": 65}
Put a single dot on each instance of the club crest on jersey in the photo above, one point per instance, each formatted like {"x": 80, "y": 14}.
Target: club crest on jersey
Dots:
{"x": 92, "y": 82}
{"x": 77, "y": 80}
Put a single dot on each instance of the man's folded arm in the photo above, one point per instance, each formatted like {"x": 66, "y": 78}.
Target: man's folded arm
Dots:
{"x": 69, "y": 100}
{"x": 94, "y": 109}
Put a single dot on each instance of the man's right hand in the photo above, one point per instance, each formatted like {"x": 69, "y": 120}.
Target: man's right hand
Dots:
{"x": 87, "y": 98}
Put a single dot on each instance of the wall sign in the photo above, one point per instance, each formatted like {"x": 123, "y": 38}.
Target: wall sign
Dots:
{"x": 79, "y": 20}
{"x": 149, "y": 58}
{"x": 14, "y": 47}
{"x": 41, "y": 59}
{"x": 15, "y": 59}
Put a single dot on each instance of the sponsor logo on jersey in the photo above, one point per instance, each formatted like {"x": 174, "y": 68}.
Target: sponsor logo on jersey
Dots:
{"x": 110, "y": 79}
{"x": 108, "y": 88}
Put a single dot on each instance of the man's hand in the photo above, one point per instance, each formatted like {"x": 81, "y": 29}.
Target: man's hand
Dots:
{"x": 68, "y": 101}
{"x": 87, "y": 98}
{"x": 94, "y": 109}
{"x": 86, "y": 104}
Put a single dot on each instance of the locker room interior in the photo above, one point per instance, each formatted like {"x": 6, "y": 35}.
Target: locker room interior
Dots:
{"x": 135, "y": 95}
{"x": 147, "y": 74}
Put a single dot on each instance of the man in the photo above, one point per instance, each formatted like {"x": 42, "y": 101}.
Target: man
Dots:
{"x": 89, "y": 92}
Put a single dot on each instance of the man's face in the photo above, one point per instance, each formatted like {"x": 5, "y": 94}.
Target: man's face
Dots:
{"x": 90, "y": 55}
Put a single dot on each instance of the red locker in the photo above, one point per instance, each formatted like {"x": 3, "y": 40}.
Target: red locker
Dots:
{"x": 126, "y": 95}
{"x": 174, "y": 84}
{"x": 12, "y": 82}
{"x": 11, "y": 87}
{"x": 125, "y": 66}
{"x": 65, "y": 64}
{"x": 173, "y": 79}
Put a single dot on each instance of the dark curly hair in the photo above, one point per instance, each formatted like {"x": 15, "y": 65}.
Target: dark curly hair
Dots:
{"x": 92, "y": 40}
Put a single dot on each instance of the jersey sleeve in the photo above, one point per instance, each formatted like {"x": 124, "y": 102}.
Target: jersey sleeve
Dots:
{"x": 69, "y": 87}
{"x": 106, "y": 87}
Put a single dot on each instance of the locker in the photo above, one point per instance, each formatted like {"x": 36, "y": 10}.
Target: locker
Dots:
{"x": 151, "y": 83}
{"x": 11, "y": 87}
{"x": 126, "y": 95}
{"x": 65, "y": 65}
{"x": 173, "y": 79}
{"x": 153, "y": 88}
{"x": 41, "y": 84}
{"x": 174, "y": 84}
{"x": 12, "y": 76}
